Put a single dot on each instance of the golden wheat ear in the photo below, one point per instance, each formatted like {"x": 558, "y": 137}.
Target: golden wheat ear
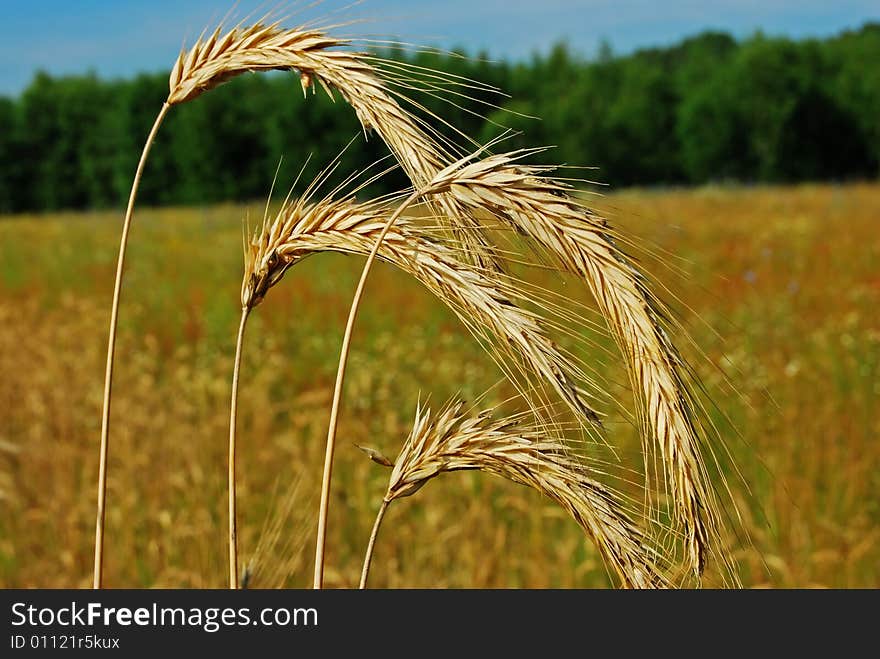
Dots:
{"x": 370, "y": 85}
{"x": 487, "y": 302}
{"x": 221, "y": 56}
{"x": 581, "y": 243}
{"x": 454, "y": 440}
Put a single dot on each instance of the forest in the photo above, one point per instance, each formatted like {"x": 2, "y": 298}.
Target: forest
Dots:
{"x": 709, "y": 109}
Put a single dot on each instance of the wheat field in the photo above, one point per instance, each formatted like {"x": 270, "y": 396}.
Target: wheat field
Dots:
{"x": 781, "y": 289}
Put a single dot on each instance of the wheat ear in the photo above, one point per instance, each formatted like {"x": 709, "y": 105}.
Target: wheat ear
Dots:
{"x": 321, "y": 58}
{"x": 219, "y": 58}
{"x": 582, "y": 244}
{"x": 484, "y": 301}
{"x": 512, "y": 449}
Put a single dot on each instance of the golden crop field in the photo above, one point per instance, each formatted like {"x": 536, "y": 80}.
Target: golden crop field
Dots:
{"x": 778, "y": 287}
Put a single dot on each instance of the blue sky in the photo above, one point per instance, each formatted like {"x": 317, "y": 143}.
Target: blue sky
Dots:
{"x": 120, "y": 37}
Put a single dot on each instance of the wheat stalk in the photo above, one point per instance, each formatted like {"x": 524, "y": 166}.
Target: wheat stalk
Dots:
{"x": 484, "y": 301}
{"x": 454, "y": 441}
{"x": 111, "y": 349}
{"x": 231, "y": 461}
{"x": 220, "y": 57}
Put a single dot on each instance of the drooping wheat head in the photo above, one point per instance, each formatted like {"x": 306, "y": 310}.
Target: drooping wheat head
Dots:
{"x": 359, "y": 78}
{"x": 485, "y": 301}
{"x": 222, "y": 56}
{"x": 454, "y": 440}
{"x": 581, "y": 243}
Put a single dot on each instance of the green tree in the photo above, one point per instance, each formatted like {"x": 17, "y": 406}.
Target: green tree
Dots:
{"x": 708, "y": 108}
{"x": 855, "y": 83}
{"x": 11, "y": 163}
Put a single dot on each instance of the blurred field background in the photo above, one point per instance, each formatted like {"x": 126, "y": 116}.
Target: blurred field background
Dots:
{"x": 781, "y": 292}
{"x": 775, "y": 278}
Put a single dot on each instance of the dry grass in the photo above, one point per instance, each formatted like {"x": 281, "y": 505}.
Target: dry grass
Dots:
{"x": 787, "y": 276}
{"x": 509, "y": 447}
{"x": 278, "y": 554}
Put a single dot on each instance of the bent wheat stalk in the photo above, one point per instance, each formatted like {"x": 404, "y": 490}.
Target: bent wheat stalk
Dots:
{"x": 483, "y": 301}
{"x": 98, "y": 574}
{"x": 327, "y": 475}
{"x": 512, "y": 449}
{"x": 222, "y": 56}
{"x": 368, "y": 556}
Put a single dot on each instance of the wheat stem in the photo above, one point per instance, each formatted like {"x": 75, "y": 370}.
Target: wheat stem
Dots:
{"x": 111, "y": 347}
{"x": 337, "y": 393}
{"x": 233, "y": 413}
{"x": 368, "y": 557}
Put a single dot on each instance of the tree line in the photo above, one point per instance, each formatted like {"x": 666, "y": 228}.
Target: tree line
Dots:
{"x": 707, "y": 109}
